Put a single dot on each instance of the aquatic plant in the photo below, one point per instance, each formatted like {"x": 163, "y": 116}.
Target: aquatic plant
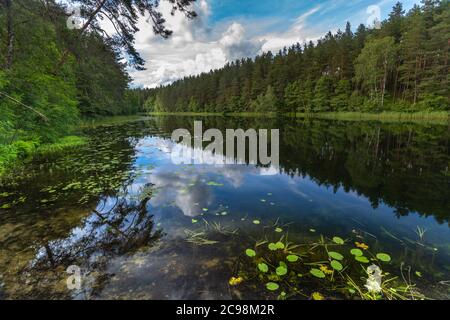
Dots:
{"x": 295, "y": 269}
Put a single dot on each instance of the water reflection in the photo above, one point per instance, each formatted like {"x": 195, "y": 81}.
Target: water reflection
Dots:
{"x": 104, "y": 207}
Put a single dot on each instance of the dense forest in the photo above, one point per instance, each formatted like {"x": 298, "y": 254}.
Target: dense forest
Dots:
{"x": 52, "y": 75}
{"x": 402, "y": 66}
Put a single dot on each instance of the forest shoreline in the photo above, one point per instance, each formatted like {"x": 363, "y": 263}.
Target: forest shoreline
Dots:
{"x": 432, "y": 116}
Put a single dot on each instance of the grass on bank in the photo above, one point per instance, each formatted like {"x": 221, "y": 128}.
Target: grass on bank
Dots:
{"x": 432, "y": 116}
{"x": 19, "y": 152}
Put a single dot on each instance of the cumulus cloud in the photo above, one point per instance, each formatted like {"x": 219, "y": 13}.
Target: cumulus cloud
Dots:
{"x": 193, "y": 48}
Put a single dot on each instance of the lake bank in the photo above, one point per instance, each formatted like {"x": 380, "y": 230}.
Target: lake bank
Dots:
{"x": 434, "y": 117}
{"x": 20, "y": 152}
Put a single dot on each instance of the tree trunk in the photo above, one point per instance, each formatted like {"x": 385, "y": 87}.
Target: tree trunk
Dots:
{"x": 10, "y": 35}
{"x": 383, "y": 90}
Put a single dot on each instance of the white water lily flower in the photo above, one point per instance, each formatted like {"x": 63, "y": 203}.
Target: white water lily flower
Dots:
{"x": 373, "y": 283}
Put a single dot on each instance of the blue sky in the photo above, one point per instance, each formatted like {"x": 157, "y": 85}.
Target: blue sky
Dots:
{"x": 229, "y": 29}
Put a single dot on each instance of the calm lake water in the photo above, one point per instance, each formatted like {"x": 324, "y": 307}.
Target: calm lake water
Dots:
{"x": 141, "y": 227}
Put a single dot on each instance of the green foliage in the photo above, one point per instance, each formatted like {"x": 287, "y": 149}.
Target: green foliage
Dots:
{"x": 41, "y": 98}
{"x": 266, "y": 102}
{"x": 401, "y": 67}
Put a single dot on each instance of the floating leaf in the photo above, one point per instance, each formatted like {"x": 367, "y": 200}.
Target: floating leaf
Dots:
{"x": 263, "y": 267}
{"x": 281, "y": 270}
{"x": 250, "y": 252}
{"x": 272, "y": 286}
{"x": 292, "y": 258}
{"x": 362, "y": 259}
{"x": 336, "y": 265}
{"x": 338, "y": 240}
{"x": 312, "y": 230}
{"x": 194, "y": 220}
{"x": 356, "y": 252}
{"x": 384, "y": 257}
{"x": 205, "y": 209}
{"x": 279, "y": 230}
{"x": 317, "y": 296}
{"x": 272, "y": 247}
{"x": 317, "y": 273}
{"x": 256, "y": 222}
{"x": 336, "y": 255}
{"x": 214, "y": 184}
{"x": 280, "y": 245}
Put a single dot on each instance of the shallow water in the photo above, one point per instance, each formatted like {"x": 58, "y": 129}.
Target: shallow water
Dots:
{"x": 141, "y": 227}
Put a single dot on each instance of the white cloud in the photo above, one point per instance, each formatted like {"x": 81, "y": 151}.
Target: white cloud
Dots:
{"x": 193, "y": 48}
{"x": 296, "y": 33}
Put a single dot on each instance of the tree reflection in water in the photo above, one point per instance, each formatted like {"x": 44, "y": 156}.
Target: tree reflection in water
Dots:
{"x": 120, "y": 226}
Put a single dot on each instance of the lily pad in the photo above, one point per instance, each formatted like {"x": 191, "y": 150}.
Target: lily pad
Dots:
{"x": 263, "y": 267}
{"x": 356, "y": 252}
{"x": 336, "y": 265}
{"x": 338, "y": 240}
{"x": 336, "y": 255}
{"x": 317, "y": 273}
{"x": 214, "y": 184}
{"x": 362, "y": 259}
{"x": 272, "y": 247}
{"x": 384, "y": 257}
{"x": 281, "y": 271}
{"x": 272, "y": 286}
{"x": 280, "y": 245}
{"x": 292, "y": 258}
{"x": 250, "y": 252}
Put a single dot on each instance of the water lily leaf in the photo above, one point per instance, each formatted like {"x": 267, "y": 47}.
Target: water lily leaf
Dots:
{"x": 317, "y": 273}
{"x": 362, "y": 259}
{"x": 281, "y": 270}
{"x": 338, "y": 240}
{"x": 280, "y": 245}
{"x": 250, "y": 252}
{"x": 336, "y": 265}
{"x": 292, "y": 258}
{"x": 272, "y": 247}
{"x": 263, "y": 267}
{"x": 336, "y": 255}
{"x": 356, "y": 252}
{"x": 272, "y": 286}
{"x": 214, "y": 184}
{"x": 384, "y": 257}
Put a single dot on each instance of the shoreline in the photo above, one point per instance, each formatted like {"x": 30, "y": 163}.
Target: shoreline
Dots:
{"x": 441, "y": 117}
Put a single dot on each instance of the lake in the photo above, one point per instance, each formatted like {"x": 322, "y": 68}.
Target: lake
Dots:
{"x": 137, "y": 226}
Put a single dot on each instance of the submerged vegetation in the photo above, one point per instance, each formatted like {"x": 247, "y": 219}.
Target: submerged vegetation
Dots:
{"x": 320, "y": 269}
{"x": 349, "y": 197}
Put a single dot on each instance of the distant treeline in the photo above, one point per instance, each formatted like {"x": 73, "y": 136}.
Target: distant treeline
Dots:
{"x": 402, "y": 66}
